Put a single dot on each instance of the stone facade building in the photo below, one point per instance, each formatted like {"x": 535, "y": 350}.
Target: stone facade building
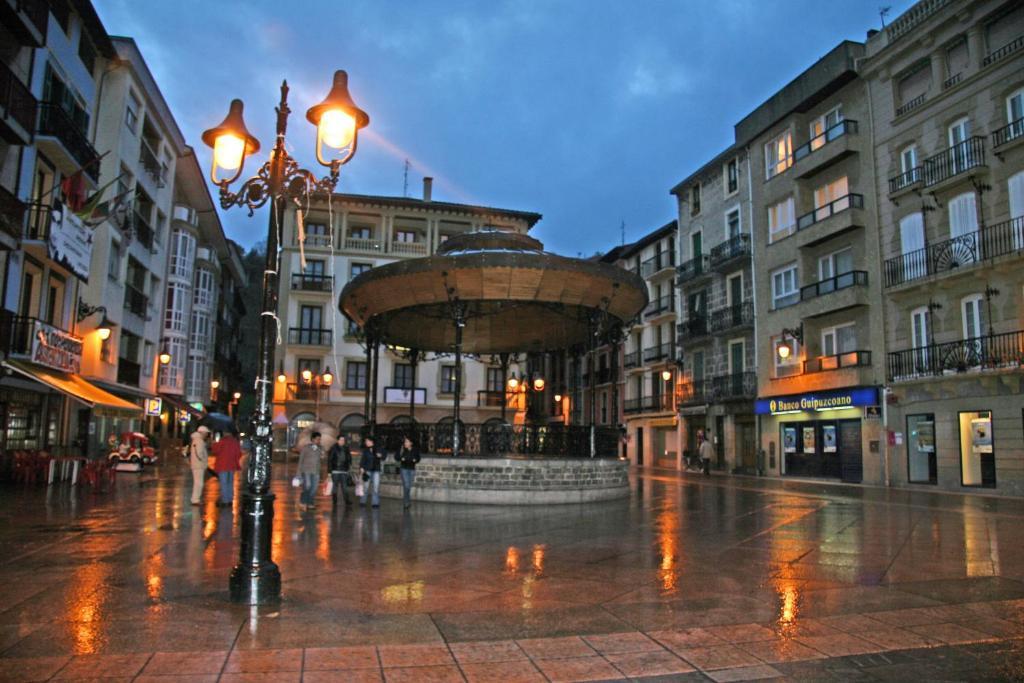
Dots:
{"x": 946, "y": 85}
{"x": 715, "y": 338}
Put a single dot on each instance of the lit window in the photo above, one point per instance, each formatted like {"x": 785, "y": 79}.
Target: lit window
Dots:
{"x": 778, "y": 155}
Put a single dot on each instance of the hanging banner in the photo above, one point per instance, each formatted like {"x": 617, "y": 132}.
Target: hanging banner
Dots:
{"x": 70, "y": 241}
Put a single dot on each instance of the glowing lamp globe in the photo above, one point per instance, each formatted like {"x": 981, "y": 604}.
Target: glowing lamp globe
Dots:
{"x": 538, "y": 384}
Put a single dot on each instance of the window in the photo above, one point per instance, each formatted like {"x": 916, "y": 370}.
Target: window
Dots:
{"x": 781, "y": 220}
{"x": 1015, "y": 110}
{"x": 697, "y": 367}
{"x": 131, "y": 113}
{"x": 732, "y": 223}
{"x": 604, "y": 408}
{"x": 787, "y": 363}
{"x": 908, "y": 158}
{"x": 86, "y": 52}
{"x": 355, "y": 375}
{"x": 1015, "y": 190}
{"x": 407, "y": 236}
{"x": 957, "y": 61}
{"x": 839, "y": 339}
{"x": 148, "y": 356}
{"x": 316, "y": 233}
{"x": 303, "y": 364}
{"x": 1005, "y": 28}
{"x": 962, "y": 155}
{"x": 495, "y": 380}
{"x": 826, "y": 194}
{"x": 732, "y": 180}
{"x": 695, "y": 199}
{"x": 314, "y": 268}
{"x": 963, "y": 224}
{"x": 360, "y": 232}
{"x": 202, "y": 329}
{"x": 835, "y": 264}
{"x": 922, "y": 463}
{"x": 177, "y": 300}
{"x": 351, "y": 328}
{"x": 822, "y": 124}
{"x": 403, "y": 376}
{"x": 973, "y": 327}
{"x": 913, "y": 86}
{"x": 203, "y": 293}
{"x": 447, "y": 379}
{"x": 977, "y": 449}
{"x": 355, "y": 269}
{"x": 183, "y": 253}
{"x": 114, "y": 266}
{"x": 778, "y": 155}
{"x": 785, "y": 291}
{"x": 311, "y": 318}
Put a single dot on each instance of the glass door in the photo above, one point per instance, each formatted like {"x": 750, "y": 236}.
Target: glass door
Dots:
{"x": 960, "y": 153}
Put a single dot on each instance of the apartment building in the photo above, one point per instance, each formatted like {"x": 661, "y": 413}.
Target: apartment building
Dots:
{"x": 817, "y": 276}
{"x": 53, "y": 55}
{"x": 649, "y": 354}
{"x": 715, "y": 333}
{"x": 323, "y": 373}
{"x": 948, "y": 118}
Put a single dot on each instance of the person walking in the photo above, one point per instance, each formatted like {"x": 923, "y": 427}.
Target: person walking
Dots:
{"x": 227, "y": 459}
{"x": 407, "y": 458}
{"x": 704, "y": 451}
{"x": 339, "y": 461}
{"x": 309, "y": 470}
{"x": 198, "y": 457}
{"x": 369, "y": 469}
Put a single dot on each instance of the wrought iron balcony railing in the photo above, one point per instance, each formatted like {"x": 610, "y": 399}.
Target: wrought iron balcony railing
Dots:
{"x": 12, "y": 213}
{"x": 853, "y": 278}
{"x": 691, "y": 392}
{"x": 1008, "y": 49}
{"x": 312, "y": 283}
{"x": 692, "y": 269}
{"x": 300, "y": 391}
{"x": 664, "y": 304}
{"x": 490, "y": 398}
{"x": 601, "y": 376}
{"x": 740, "y": 385}
{"x": 911, "y": 104}
{"x": 958, "y": 159}
{"x": 734, "y": 247}
{"x": 730, "y": 317}
{"x": 309, "y": 336}
{"x": 143, "y": 231}
{"x": 1010, "y": 131}
{"x": 54, "y": 122}
{"x": 835, "y": 206}
{"x": 850, "y": 359}
{"x": 692, "y": 329}
{"x": 631, "y": 359}
{"x": 17, "y": 333}
{"x": 16, "y": 100}
{"x": 659, "y": 351}
{"x": 958, "y": 252}
{"x": 906, "y": 179}
{"x": 846, "y": 127}
{"x": 989, "y": 352}
{"x": 654, "y": 403}
{"x": 660, "y": 261}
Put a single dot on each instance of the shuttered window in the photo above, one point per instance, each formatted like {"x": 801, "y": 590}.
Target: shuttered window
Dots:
{"x": 1005, "y": 29}
{"x": 914, "y": 83}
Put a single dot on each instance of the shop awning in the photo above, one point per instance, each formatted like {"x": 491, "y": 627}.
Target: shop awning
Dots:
{"x": 178, "y": 404}
{"x": 73, "y": 386}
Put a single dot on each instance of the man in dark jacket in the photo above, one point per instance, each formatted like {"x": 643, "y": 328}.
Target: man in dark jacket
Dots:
{"x": 370, "y": 465}
{"x": 407, "y": 459}
{"x": 339, "y": 461}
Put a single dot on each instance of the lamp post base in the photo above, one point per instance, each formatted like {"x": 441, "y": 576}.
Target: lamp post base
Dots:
{"x": 256, "y": 580}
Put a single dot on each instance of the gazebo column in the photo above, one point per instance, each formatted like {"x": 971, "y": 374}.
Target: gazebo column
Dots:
{"x": 376, "y": 373}
{"x": 593, "y": 386}
{"x": 615, "y": 341}
{"x": 414, "y": 361}
{"x": 459, "y": 317}
{"x": 366, "y": 382}
{"x": 505, "y": 360}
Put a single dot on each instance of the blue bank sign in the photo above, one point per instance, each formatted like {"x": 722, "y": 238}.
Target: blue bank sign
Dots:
{"x": 819, "y": 400}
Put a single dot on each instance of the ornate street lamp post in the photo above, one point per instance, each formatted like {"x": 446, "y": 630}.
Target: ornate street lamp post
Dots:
{"x": 256, "y": 579}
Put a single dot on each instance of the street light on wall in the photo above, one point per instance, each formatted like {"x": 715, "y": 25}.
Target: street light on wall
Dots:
{"x": 165, "y": 356}
{"x": 281, "y": 182}
{"x": 783, "y": 349}
{"x": 105, "y": 326}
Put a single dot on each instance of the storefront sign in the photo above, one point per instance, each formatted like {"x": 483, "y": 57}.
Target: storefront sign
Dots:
{"x": 56, "y": 348}
{"x": 873, "y": 412}
{"x": 70, "y": 242}
{"x": 819, "y": 400}
{"x": 154, "y": 406}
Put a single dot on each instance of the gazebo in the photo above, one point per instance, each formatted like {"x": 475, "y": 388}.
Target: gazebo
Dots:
{"x": 494, "y": 292}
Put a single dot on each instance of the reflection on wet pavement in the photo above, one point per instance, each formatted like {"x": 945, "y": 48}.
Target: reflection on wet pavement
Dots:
{"x": 690, "y": 576}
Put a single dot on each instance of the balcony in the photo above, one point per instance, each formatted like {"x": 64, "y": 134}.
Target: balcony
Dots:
{"x": 665, "y": 305}
{"x": 956, "y": 254}
{"x": 955, "y": 161}
{"x": 409, "y": 248}
{"x": 26, "y": 19}
{"x": 18, "y": 332}
{"x": 910, "y": 105}
{"x": 658, "y": 352}
{"x": 657, "y": 403}
{"x": 603, "y": 376}
{"x": 304, "y": 282}
{"x": 728, "y": 251}
{"x": 691, "y": 393}
{"x": 151, "y": 164}
{"x": 833, "y": 294}
{"x": 830, "y": 220}
{"x": 64, "y": 143}
{"x": 657, "y": 263}
{"x": 1008, "y": 133}
{"x": 740, "y": 386}
{"x": 1004, "y": 51}
{"x": 732, "y": 317}
{"x": 853, "y": 278}
{"x": 128, "y": 372}
{"x": 975, "y": 354}
{"x": 37, "y": 228}
{"x": 692, "y": 329}
{"x": 12, "y": 214}
{"x": 300, "y": 391}
{"x": 631, "y": 359}
{"x": 692, "y": 270}
{"x": 302, "y": 336}
{"x": 17, "y": 109}
{"x": 360, "y": 244}
{"x": 143, "y": 231}
{"x": 823, "y": 150}
{"x": 906, "y": 181}
{"x": 490, "y": 399}
{"x": 839, "y": 361}
{"x": 135, "y": 301}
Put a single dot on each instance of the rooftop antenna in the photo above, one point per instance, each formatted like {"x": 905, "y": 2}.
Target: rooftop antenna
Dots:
{"x": 882, "y": 12}
{"x": 405, "y": 180}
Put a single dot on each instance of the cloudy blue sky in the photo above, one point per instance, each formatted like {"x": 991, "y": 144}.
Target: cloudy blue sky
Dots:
{"x": 585, "y": 111}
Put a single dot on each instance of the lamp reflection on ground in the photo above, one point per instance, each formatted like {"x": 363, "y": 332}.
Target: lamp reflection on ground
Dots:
{"x": 668, "y": 548}
{"x": 512, "y": 561}
{"x": 538, "y": 560}
{"x": 402, "y": 593}
{"x": 85, "y": 603}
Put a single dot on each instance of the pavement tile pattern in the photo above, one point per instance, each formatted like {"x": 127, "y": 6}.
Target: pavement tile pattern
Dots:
{"x": 691, "y": 579}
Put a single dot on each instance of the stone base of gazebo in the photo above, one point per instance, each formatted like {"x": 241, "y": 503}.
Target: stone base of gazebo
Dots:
{"x": 514, "y": 480}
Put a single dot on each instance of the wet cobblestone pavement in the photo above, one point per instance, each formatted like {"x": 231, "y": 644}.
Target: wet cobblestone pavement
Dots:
{"x": 719, "y": 578}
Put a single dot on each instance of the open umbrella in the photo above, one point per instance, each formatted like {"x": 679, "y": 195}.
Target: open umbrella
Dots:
{"x": 218, "y": 422}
